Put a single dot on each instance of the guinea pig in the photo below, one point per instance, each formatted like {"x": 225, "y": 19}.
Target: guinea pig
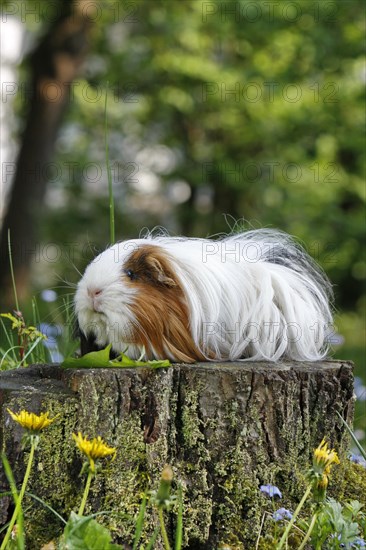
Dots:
{"x": 255, "y": 295}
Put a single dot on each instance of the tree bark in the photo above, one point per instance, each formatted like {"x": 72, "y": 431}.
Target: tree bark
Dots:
{"x": 53, "y": 65}
{"x": 224, "y": 428}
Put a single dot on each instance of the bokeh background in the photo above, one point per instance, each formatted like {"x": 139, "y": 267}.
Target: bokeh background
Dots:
{"x": 216, "y": 111}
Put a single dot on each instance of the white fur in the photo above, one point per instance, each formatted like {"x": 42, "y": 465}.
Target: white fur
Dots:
{"x": 251, "y": 296}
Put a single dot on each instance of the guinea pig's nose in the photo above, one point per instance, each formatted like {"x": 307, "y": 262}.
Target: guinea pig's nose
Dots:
{"x": 93, "y": 292}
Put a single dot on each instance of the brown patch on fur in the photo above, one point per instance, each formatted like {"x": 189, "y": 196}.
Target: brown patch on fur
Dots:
{"x": 159, "y": 306}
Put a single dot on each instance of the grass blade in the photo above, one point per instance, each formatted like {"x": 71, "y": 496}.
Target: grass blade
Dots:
{"x": 34, "y": 345}
{"x": 10, "y": 477}
{"x": 112, "y": 234}
{"x": 7, "y": 353}
{"x": 37, "y": 323}
{"x": 139, "y": 523}
{"x": 179, "y": 529}
{"x": 150, "y": 544}
{"x": 5, "y": 526}
{"x": 9, "y": 336}
{"x": 46, "y": 506}
{"x": 8, "y": 333}
{"x": 14, "y": 493}
{"x": 12, "y": 272}
{"x": 355, "y": 440}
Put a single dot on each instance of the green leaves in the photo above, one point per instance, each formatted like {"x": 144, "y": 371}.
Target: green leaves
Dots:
{"x": 101, "y": 359}
{"x": 85, "y": 533}
{"x": 338, "y": 526}
{"x": 26, "y": 340}
{"x": 18, "y": 324}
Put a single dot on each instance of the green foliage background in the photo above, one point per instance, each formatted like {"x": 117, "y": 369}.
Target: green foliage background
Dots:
{"x": 253, "y": 109}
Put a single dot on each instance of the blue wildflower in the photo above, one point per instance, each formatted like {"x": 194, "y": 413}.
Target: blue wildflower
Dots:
{"x": 52, "y": 332}
{"x": 334, "y": 338}
{"x": 359, "y": 543}
{"x": 282, "y": 513}
{"x": 48, "y": 295}
{"x": 271, "y": 491}
{"x": 360, "y": 389}
{"x": 358, "y": 459}
{"x": 356, "y": 543}
{"x": 56, "y": 356}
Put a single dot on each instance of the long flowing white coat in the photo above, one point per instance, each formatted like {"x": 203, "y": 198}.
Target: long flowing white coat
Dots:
{"x": 249, "y": 296}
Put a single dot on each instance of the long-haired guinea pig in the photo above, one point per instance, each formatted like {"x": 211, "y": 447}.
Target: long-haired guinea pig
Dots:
{"x": 255, "y": 295}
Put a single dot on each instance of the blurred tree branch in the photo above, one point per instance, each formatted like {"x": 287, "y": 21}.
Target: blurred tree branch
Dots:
{"x": 54, "y": 64}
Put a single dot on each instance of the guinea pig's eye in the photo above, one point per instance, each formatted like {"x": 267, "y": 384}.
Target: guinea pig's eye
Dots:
{"x": 130, "y": 274}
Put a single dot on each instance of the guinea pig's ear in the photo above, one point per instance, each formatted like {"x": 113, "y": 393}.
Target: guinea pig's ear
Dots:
{"x": 159, "y": 269}
{"x": 151, "y": 264}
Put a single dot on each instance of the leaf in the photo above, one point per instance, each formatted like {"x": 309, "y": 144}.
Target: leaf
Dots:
{"x": 85, "y": 533}
{"x": 125, "y": 361}
{"x": 101, "y": 359}
{"x": 16, "y": 323}
{"x": 89, "y": 360}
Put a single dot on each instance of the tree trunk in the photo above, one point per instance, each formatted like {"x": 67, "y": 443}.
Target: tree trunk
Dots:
{"x": 53, "y": 65}
{"x": 224, "y": 428}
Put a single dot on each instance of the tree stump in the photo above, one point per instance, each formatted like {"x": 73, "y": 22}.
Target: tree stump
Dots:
{"x": 224, "y": 428}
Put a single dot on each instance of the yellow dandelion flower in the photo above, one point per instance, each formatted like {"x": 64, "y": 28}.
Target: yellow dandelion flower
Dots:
{"x": 167, "y": 473}
{"x": 162, "y": 498}
{"x": 32, "y": 422}
{"x": 322, "y": 483}
{"x": 325, "y": 458}
{"x": 93, "y": 449}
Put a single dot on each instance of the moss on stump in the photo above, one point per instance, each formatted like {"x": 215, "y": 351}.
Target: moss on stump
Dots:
{"x": 224, "y": 428}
